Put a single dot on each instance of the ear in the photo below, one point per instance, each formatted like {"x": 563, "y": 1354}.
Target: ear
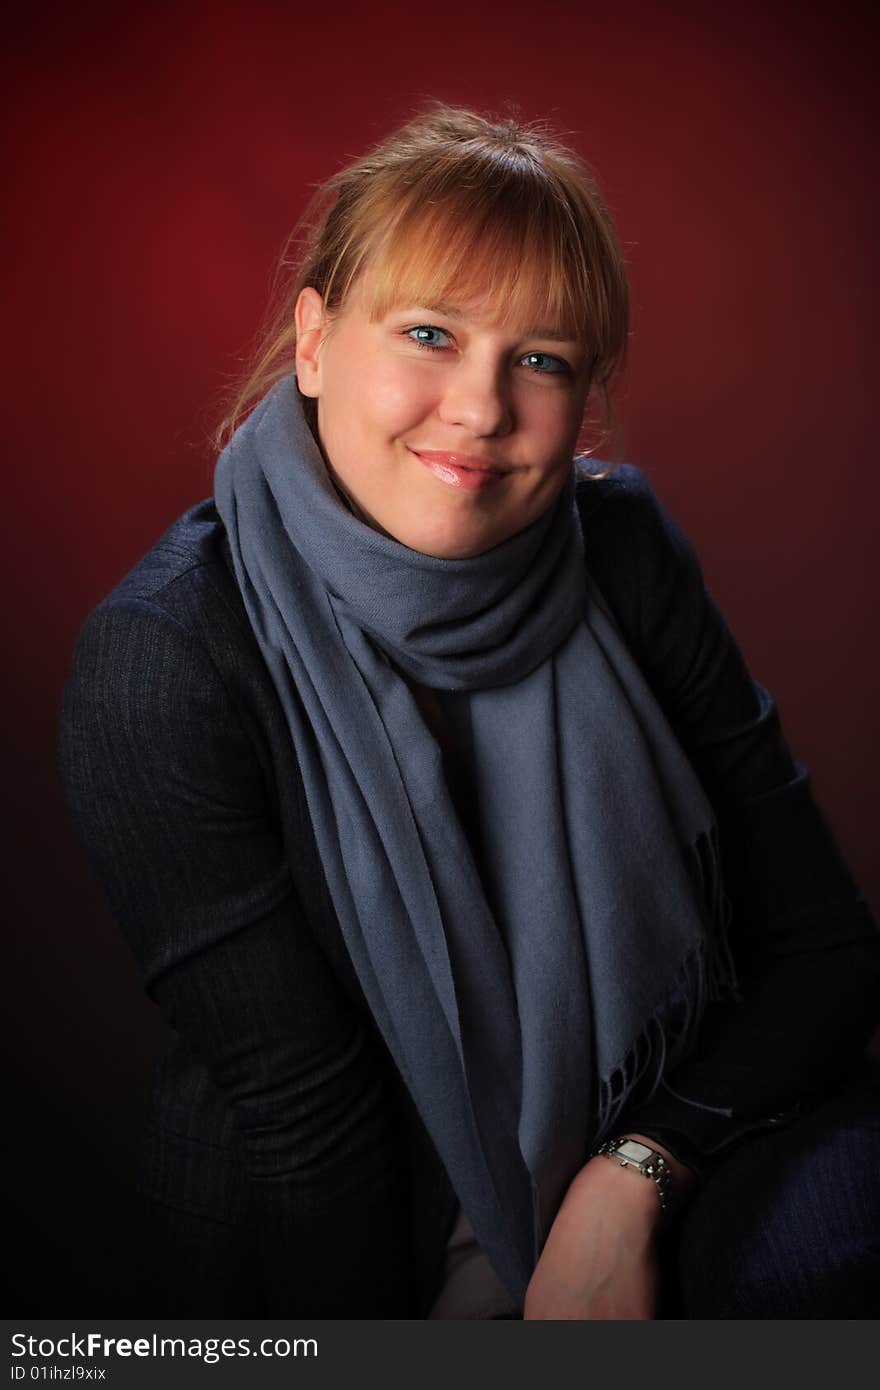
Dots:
{"x": 309, "y": 317}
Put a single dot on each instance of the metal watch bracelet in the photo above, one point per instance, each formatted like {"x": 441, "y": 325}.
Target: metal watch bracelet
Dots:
{"x": 632, "y": 1153}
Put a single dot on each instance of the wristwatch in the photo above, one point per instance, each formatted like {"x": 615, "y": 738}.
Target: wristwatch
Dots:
{"x": 632, "y": 1153}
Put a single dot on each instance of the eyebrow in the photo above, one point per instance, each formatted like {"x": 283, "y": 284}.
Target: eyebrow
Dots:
{"x": 453, "y": 312}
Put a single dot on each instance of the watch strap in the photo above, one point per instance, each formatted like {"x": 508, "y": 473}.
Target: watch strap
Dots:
{"x": 634, "y": 1153}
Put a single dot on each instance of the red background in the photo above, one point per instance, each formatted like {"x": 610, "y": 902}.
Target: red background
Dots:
{"x": 157, "y": 164}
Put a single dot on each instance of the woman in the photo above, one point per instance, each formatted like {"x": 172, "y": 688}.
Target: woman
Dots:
{"x": 448, "y": 828}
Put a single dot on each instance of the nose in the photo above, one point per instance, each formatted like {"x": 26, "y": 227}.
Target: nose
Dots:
{"x": 477, "y": 397}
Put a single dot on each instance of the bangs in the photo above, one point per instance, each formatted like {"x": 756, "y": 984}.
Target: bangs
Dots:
{"x": 520, "y": 275}
{"x": 500, "y": 238}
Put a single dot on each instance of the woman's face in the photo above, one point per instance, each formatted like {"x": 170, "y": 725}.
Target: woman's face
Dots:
{"x": 449, "y": 431}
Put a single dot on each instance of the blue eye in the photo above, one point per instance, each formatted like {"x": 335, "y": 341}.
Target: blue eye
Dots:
{"x": 422, "y": 331}
{"x": 557, "y": 365}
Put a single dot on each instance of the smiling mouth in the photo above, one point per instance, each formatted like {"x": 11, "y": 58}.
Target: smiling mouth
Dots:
{"x": 463, "y": 472}
{"x": 468, "y": 463}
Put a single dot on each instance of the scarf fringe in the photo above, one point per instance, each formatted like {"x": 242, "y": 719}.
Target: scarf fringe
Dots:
{"x": 707, "y": 974}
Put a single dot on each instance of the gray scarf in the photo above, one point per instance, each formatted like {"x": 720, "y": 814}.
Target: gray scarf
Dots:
{"x": 522, "y": 1001}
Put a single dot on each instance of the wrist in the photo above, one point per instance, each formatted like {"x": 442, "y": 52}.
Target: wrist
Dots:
{"x": 604, "y": 1193}
{"x": 664, "y": 1184}
{"x": 629, "y": 1201}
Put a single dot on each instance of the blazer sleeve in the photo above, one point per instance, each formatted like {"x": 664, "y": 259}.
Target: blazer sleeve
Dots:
{"x": 170, "y": 805}
{"x": 806, "y": 947}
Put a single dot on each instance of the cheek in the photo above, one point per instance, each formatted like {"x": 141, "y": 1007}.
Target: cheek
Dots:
{"x": 400, "y": 395}
{"x": 556, "y": 422}
{"x": 382, "y": 398}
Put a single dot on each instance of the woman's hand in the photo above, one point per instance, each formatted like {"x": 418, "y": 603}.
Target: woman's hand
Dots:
{"x": 600, "y": 1259}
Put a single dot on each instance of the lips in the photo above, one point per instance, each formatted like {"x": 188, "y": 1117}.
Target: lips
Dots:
{"x": 466, "y": 472}
{"x": 471, "y": 462}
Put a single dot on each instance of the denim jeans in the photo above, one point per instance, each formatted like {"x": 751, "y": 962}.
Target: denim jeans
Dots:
{"x": 788, "y": 1226}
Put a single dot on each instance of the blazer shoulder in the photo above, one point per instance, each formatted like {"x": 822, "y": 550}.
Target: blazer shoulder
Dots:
{"x": 165, "y": 667}
{"x": 185, "y": 582}
{"x": 635, "y": 551}
{"x": 169, "y": 651}
{"x": 594, "y": 486}
{"x": 624, "y": 499}
{"x": 194, "y": 542}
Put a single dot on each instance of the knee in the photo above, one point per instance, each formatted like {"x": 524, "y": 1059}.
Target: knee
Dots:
{"x": 759, "y": 1275}
{"x": 787, "y": 1228}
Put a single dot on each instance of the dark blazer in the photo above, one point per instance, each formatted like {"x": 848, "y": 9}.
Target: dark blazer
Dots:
{"x": 286, "y": 1170}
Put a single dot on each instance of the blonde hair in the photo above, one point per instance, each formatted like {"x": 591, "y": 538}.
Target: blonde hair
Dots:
{"x": 455, "y": 206}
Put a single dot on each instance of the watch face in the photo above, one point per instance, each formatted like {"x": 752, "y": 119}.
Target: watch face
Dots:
{"x": 633, "y": 1150}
